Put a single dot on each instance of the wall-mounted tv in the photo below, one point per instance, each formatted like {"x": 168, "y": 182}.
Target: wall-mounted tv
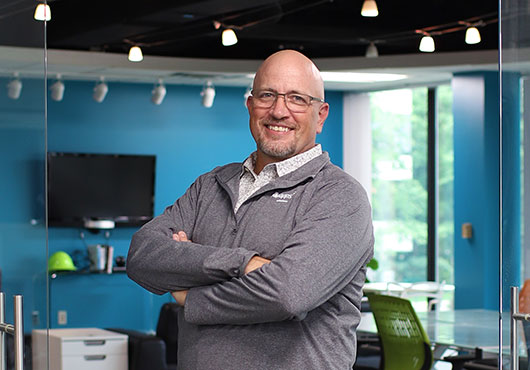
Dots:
{"x": 100, "y": 191}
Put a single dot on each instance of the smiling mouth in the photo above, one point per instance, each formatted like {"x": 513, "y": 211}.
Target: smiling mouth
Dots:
{"x": 278, "y": 128}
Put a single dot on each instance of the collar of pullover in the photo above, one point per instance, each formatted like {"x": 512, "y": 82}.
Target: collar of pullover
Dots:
{"x": 308, "y": 170}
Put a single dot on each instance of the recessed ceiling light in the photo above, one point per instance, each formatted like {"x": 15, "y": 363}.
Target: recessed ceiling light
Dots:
{"x": 361, "y": 77}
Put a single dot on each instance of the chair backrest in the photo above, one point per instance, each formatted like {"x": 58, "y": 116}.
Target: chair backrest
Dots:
{"x": 404, "y": 342}
{"x": 167, "y": 330}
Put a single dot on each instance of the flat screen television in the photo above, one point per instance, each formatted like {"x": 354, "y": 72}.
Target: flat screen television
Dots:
{"x": 100, "y": 191}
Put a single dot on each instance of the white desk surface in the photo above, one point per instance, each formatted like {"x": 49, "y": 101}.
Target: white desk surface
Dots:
{"x": 382, "y": 287}
{"x": 462, "y": 328}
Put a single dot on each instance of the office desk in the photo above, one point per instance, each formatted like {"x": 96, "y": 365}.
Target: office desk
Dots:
{"x": 399, "y": 288}
{"x": 459, "y": 328}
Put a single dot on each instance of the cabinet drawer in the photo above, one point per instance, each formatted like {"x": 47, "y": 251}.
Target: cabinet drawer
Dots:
{"x": 95, "y": 362}
{"x": 94, "y": 346}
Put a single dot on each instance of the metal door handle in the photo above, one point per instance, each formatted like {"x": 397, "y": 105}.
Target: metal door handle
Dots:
{"x": 17, "y": 330}
{"x": 514, "y": 316}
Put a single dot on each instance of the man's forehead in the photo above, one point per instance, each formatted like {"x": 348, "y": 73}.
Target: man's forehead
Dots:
{"x": 287, "y": 82}
{"x": 289, "y": 70}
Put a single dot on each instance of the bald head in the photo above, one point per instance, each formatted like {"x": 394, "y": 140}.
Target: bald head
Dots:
{"x": 293, "y": 70}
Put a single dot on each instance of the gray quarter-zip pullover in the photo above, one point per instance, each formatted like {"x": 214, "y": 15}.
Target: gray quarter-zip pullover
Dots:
{"x": 298, "y": 312}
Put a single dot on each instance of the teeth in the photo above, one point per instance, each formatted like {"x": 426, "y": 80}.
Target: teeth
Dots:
{"x": 278, "y": 128}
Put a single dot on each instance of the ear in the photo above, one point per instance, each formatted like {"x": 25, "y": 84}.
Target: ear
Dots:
{"x": 322, "y": 115}
{"x": 249, "y": 103}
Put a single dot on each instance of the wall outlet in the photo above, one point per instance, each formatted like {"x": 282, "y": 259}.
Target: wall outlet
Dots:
{"x": 62, "y": 318}
{"x": 35, "y": 320}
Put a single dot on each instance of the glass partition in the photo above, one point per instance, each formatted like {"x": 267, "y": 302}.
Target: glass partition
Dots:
{"x": 116, "y": 119}
{"x": 23, "y": 241}
{"x": 515, "y": 199}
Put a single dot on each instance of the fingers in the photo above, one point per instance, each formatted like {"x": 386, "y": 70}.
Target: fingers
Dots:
{"x": 183, "y": 237}
{"x": 255, "y": 263}
{"x": 180, "y": 296}
{"x": 180, "y": 237}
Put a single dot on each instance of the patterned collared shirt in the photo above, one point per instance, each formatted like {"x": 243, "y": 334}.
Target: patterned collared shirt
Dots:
{"x": 250, "y": 182}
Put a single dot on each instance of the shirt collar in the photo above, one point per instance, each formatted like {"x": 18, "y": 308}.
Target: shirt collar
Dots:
{"x": 287, "y": 165}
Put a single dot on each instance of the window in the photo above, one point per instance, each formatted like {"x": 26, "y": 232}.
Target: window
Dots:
{"x": 445, "y": 184}
{"x": 399, "y": 182}
{"x": 400, "y": 185}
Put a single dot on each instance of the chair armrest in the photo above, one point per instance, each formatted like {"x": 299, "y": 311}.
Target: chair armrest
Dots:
{"x": 146, "y": 352}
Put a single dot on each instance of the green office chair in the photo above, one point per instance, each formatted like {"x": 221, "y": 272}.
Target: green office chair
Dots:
{"x": 404, "y": 343}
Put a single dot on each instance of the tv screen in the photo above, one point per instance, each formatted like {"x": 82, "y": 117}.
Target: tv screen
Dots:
{"x": 98, "y": 190}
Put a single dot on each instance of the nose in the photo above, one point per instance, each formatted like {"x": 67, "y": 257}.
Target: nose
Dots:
{"x": 279, "y": 108}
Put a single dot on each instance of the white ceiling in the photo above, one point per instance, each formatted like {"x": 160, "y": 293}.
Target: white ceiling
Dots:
{"x": 423, "y": 69}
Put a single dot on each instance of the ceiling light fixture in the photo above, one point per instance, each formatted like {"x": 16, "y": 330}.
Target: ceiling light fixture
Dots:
{"x": 57, "y": 89}
{"x": 208, "y": 95}
{"x": 43, "y": 12}
{"x": 360, "y": 77}
{"x": 135, "y": 54}
{"x": 100, "y": 90}
{"x": 14, "y": 87}
{"x": 427, "y": 44}
{"x": 371, "y": 51}
{"x": 472, "y": 35}
{"x": 158, "y": 93}
{"x": 229, "y": 37}
{"x": 369, "y": 9}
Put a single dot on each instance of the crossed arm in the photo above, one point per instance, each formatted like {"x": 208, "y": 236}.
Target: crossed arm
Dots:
{"x": 325, "y": 251}
{"x": 180, "y": 295}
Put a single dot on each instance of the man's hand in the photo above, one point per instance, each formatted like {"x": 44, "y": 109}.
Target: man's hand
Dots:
{"x": 181, "y": 237}
{"x": 180, "y": 295}
{"x": 255, "y": 263}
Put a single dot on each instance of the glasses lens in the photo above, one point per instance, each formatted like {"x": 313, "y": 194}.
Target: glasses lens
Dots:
{"x": 264, "y": 99}
{"x": 297, "y": 103}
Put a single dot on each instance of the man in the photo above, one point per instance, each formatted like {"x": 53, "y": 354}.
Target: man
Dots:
{"x": 267, "y": 258}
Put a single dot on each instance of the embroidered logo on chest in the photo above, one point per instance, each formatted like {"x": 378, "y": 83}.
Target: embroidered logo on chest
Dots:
{"x": 284, "y": 197}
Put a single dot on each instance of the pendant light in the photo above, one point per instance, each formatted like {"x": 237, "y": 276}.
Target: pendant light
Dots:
{"x": 135, "y": 54}
{"x": 427, "y": 44}
{"x": 369, "y": 9}
{"x": 42, "y": 12}
{"x": 371, "y": 51}
{"x": 472, "y": 35}
{"x": 229, "y": 37}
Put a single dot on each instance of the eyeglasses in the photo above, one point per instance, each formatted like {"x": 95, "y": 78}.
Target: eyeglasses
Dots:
{"x": 295, "y": 102}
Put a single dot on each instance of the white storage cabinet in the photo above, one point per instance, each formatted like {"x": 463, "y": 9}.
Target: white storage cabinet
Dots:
{"x": 80, "y": 349}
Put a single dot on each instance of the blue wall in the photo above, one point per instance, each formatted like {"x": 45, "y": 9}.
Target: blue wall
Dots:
{"x": 476, "y": 146}
{"x": 187, "y": 139}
